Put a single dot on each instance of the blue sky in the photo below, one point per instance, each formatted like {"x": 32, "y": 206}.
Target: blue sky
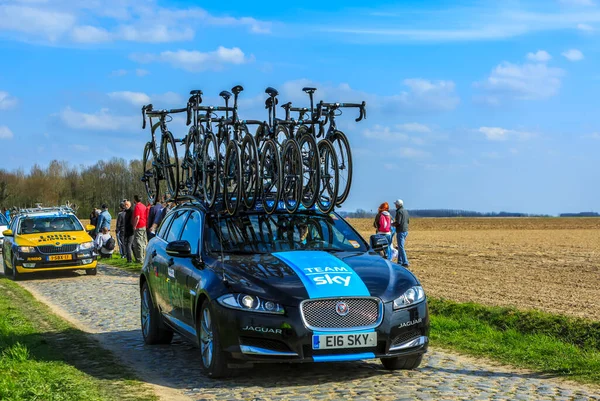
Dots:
{"x": 484, "y": 106}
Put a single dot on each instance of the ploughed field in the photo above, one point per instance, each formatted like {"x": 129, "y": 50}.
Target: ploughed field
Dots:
{"x": 549, "y": 264}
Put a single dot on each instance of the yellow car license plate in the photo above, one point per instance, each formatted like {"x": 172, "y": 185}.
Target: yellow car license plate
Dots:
{"x": 54, "y": 258}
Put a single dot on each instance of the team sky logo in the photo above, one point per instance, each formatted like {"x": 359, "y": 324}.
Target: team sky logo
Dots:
{"x": 329, "y": 275}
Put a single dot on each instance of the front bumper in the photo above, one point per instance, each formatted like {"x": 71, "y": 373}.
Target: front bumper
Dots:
{"x": 36, "y": 262}
{"x": 256, "y": 337}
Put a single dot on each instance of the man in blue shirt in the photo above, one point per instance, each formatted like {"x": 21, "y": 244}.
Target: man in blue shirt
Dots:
{"x": 104, "y": 219}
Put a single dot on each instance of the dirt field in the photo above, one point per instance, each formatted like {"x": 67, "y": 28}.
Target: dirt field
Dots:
{"x": 550, "y": 264}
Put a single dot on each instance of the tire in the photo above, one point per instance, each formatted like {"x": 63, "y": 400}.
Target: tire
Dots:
{"x": 232, "y": 182}
{"x": 343, "y": 153}
{"x": 188, "y": 165}
{"x": 402, "y": 363}
{"x": 170, "y": 164}
{"x": 270, "y": 176}
{"x": 291, "y": 171}
{"x": 7, "y": 270}
{"x": 310, "y": 167}
{"x": 250, "y": 172}
{"x": 282, "y": 134}
{"x": 153, "y": 331}
{"x": 328, "y": 185}
{"x": 91, "y": 272}
{"x": 16, "y": 276}
{"x": 213, "y": 360}
{"x": 210, "y": 169}
{"x": 150, "y": 178}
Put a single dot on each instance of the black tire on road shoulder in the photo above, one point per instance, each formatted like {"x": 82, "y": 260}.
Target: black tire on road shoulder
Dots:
{"x": 7, "y": 270}
{"x": 91, "y": 272}
{"x": 402, "y": 363}
{"x": 15, "y": 273}
{"x": 154, "y": 332}
{"x": 209, "y": 342}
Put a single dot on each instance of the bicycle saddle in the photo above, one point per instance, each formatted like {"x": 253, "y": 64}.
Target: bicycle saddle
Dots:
{"x": 237, "y": 89}
{"x": 309, "y": 90}
{"x": 287, "y": 105}
{"x": 196, "y": 92}
{"x": 225, "y": 95}
{"x": 195, "y": 100}
{"x": 271, "y": 91}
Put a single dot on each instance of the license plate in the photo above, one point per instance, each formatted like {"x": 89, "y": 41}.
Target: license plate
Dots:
{"x": 336, "y": 341}
{"x": 54, "y": 258}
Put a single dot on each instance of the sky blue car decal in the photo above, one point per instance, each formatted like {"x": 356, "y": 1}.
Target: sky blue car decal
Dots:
{"x": 324, "y": 275}
{"x": 343, "y": 357}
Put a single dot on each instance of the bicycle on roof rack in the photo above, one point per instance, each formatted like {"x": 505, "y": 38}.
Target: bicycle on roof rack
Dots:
{"x": 160, "y": 163}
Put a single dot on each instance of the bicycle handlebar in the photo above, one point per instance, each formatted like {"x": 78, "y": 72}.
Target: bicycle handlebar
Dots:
{"x": 334, "y": 106}
{"x": 145, "y": 108}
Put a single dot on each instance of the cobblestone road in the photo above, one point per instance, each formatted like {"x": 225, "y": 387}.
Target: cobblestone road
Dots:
{"x": 108, "y": 305}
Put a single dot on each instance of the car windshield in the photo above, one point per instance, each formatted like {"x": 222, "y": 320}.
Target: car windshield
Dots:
{"x": 260, "y": 233}
{"x": 3, "y": 221}
{"x": 47, "y": 224}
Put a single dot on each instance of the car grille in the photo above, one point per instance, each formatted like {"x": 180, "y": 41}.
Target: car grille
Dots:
{"x": 362, "y": 313}
{"x": 57, "y": 249}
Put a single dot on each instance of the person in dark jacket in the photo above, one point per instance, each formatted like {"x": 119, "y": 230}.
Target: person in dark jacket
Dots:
{"x": 120, "y": 231}
{"x": 93, "y": 222}
{"x": 129, "y": 231}
{"x": 401, "y": 223}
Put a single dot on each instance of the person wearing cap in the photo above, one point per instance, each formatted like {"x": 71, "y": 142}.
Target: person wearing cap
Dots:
{"x": 401, "y": 221}
{"x": 104, "y": 219}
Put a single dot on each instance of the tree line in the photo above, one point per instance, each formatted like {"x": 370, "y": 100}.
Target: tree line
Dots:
{"x": 86, "y": 186}
{"x": 361, "y": 213}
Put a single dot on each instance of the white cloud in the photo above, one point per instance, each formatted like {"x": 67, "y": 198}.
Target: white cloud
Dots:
{"x": 585, "y": 27}
{"x": 90, "y": 34}
{"x": 595, "y": 135}
{"x": 414, "y": 127}
{"x": 502, "y": 134}
{"x": 135, "y": 98}
{"x": 79, "y": 148}
{"x": 5, "y": 132}
{"x": 541, "y": 56}
{"x": 384, "y": 133}
{"x": 141, "y": 72}
{"x": 573, "y": 55}
{"x": 587, "y": 3}
{"x": 118, "y": 73}
{"x": 520, "y": 81}
{"x": 100, "y": 121}
{"x": 411, "y": 153}
{"x": 7, "y": 101}
{"x": 428, "y": 95}
{"x": 48, "y": 24}
{"x": 196, "y": 61}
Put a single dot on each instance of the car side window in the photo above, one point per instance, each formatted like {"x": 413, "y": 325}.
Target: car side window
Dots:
{"x": 191, "y": 232}
{"x": 162, "y": 231}
{"x": 176, "y": 226}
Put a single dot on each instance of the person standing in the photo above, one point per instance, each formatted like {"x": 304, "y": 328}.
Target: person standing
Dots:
{"x": 93, "y": 222}
{"x": 139, "y": 223}
{"x": 129, "y": 230}
{"x": 383, "y": 224}
{"x": 104, "y": 219}
{"x": 154, "y": 219}
{"x": 401, "y": 221}
{"x": 120, "y": 231}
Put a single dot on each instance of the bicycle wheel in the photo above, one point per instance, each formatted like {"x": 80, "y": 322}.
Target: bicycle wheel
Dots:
{"x": 231, "y": 177}
{"x": 291, "y": 169}
{"x": 197, "y": 157}
{"x": 270, "y": 176}
{"x": 329, "y": 178}
{"x": 282, "y": 134}
{"x": 344, "y": 159}
{"x": 150, "y": 178}
{"x": 188, "y": 170}
{"x": 210, "y": 169}
{"x": 250, "y": 172}
{"x": 310, "y": 168}
{"x": 170, "y": 164}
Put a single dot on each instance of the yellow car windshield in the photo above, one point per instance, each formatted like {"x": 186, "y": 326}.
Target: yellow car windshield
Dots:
{"x": 48, "y": 224}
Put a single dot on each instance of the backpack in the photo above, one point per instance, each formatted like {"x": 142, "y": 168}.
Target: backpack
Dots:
{"x": 109, "y": 244}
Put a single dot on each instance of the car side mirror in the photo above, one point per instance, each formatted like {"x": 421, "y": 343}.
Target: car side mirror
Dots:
{"x": 179, "y": 248}
{"x": 90, "y": 227}
{"x": 379, "y": 242}
{"x": 7, "y": 233}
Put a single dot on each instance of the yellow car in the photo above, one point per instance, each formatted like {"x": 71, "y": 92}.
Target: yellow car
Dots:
{"x": 46, "y": 239}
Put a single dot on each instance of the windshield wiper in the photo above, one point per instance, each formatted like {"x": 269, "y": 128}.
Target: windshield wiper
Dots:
{"x": 239, "y": 252}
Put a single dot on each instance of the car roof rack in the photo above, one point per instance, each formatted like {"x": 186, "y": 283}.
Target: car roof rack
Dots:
{"x": 53, "y": 209}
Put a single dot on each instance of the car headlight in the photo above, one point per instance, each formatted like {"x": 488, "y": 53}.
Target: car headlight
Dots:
{"x": 250, "y": 303}
{"x": 86, "y": 245}
{"x": 412, "y": 296}
{"x": 27, "y": 249}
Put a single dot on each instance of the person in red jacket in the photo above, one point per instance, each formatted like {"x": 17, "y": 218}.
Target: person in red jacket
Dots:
{"x": 139, "y": 224}
{"x": 383, "y": 224}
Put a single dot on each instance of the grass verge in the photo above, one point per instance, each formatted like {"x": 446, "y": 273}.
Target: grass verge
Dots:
{"x": 550, "y": 344}
{"x": 42, "y": 357}
{"x": 117, "y": 261}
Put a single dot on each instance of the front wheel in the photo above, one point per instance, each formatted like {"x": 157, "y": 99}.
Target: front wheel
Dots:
{"x": 232, "y": 182}
{"x": 210, "y": 169}
{"x": 170, "y": 164}
{"x": 329, "y": 177}
{"x": 343, "y": 154}
{"x": 15, "y": 273}
{"x": 91, "y": 272}
{"x": 213, "y": 360}
{"x": 150, "y": 177}
{"x": 152, "y": 329}
{"x": 402, "y": 363}
{"x": 270, "y": 176}
{"x": 291, "y": 170}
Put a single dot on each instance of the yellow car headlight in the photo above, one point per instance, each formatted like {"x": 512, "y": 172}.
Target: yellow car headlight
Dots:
{"x": 86, "y": 245}
{"x": 27, "y": 249}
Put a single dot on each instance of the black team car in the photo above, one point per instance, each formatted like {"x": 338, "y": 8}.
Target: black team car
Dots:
{"x": 302, "y": 287}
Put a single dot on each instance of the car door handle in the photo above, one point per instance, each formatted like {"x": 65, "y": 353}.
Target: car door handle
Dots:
{"x": 171, "y": 262}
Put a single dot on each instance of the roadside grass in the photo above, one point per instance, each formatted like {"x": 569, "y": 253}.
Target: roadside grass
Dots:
{"x": 553, "y": 345}
{"x": 42, "y": 357}
{"x": 116, "y": 261}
